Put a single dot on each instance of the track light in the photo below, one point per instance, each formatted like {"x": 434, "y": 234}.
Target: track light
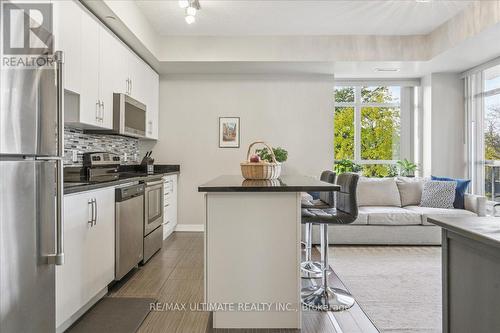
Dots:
{"x": 192, "y": 7}
{"x": 190, "y": 19}
{"x": 191, "y": 11}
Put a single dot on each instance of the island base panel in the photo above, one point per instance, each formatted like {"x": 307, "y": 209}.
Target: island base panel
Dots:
{"x": 252, "y": 257}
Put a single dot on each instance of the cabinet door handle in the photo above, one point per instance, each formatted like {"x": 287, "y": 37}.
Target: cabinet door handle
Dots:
{"x": 102, "y": 111}
{"x": 95, "y": 218}
{"x": 97, "y": 110}
{"x": 91, "y": 220}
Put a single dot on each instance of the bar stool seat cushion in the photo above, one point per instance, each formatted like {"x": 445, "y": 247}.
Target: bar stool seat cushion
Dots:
{"x": 327, "y": 215}
{"x": 318, "y": 203}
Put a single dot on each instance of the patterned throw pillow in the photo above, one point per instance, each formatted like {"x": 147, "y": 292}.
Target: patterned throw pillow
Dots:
{"x": 438, "y": 194}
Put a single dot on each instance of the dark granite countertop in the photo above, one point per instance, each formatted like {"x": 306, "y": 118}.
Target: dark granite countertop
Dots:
{"x": 292, "y": 183}
{"x": 126, "y": 176}
{"x": 482, "y": 229}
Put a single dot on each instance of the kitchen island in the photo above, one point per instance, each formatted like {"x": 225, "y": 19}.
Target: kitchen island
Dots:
{"x": 471, "y": 273}
{"x": 252, "y": 250}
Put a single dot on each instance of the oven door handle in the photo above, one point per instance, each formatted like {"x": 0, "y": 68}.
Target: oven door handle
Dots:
{"x": 154, "y": 183}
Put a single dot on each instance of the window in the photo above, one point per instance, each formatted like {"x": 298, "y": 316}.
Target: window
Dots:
{"x": 368, "y": 128}
{"x": 491, "y": 132}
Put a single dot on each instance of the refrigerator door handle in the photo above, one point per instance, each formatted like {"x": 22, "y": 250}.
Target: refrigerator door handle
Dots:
{"x": 58, "y": 257}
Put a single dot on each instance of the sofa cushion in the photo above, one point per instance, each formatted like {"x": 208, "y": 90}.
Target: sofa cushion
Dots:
{"x": 362, "y": 217}
{"x": 387, "y": 215}
{"x": 438, "y": 194}
{"x": 425, "y": 212}
{"x": 462, "y": 185}
{"x": 378, "y": 192}
{"x": 410, "y": 190}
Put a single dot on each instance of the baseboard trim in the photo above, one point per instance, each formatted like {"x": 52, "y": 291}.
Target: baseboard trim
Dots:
{"x": 190, "y": 227}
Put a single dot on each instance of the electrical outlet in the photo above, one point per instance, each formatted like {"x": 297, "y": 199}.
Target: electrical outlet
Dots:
{"x": 74, "y": 155}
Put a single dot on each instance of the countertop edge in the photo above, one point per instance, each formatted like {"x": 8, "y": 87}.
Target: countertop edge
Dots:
{"x": 466, "y": 232}
{"x": 233, "y": 189}
{"x": 113, "y": 183}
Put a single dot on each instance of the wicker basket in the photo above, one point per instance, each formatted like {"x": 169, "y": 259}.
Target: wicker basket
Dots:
{"x": 260, "y": 170}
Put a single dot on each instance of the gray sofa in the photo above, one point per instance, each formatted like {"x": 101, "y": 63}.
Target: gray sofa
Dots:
{"x": 389, "y": 214}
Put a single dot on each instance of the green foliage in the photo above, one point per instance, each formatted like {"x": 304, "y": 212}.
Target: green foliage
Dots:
{"x": 380, "y": 129}
{"x": 406, "y": 168}
{"x": 280, "y": 154}
{"x": 344, "y": 133}
{"x": 492, "y": 134}
{"x": 343, "y": 166}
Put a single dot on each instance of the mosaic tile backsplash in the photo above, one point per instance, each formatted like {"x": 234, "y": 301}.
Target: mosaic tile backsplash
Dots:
{"x": 75, "y": 139}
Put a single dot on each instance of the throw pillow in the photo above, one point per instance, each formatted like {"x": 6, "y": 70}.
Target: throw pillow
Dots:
{"x": 378, "y": 192}
{"x": 410, "y": 190}
{"x": 438, "y": 194}
{"x": 462, "y": 185}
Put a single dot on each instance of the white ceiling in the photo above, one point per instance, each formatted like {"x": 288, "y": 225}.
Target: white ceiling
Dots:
{"x": 299, "y": 17}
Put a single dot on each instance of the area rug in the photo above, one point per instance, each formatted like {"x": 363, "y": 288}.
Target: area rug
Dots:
{"x": 399, "y": 288}
{"x": 114, "y": 315}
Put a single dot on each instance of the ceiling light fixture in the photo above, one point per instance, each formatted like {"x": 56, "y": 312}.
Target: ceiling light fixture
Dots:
{"x": 192, "y": 7}
{"x": 190, "y": 19}
{"x": 191, "y": 11}
{"x": 423, "y": 1}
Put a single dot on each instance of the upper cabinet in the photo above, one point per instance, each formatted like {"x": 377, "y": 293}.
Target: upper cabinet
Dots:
{"x": 98, "y": 64}
{"x": 68, "y": 36}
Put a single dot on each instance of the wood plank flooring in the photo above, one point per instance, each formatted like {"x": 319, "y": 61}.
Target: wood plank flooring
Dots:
{"x": 175, "y": 275}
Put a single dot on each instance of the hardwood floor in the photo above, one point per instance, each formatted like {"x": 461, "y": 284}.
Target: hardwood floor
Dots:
{"x": 175, "y": 275}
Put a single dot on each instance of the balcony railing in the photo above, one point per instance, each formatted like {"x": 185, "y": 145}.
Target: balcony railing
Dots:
{"x": 492, "y": 179}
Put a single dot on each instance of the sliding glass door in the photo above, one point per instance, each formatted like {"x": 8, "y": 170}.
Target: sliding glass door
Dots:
{"x": 483, "y": 114}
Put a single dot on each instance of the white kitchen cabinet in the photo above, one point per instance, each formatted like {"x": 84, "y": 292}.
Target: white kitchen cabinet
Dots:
{"x": 152, "y": 103}
{"x": 68, "y": 35}
{"x": 170, "y": 204}
{"x": 98, "y": 64}
{"x": 90, "y": 109}
{"x": 89, "y": 249}
{"x": 110, "y": 67}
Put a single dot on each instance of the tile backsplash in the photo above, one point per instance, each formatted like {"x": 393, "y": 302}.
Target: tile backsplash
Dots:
{"x": 76, "y": 139}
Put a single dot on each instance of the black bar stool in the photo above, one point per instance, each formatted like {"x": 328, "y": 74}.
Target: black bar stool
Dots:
{"x": 311, "y": 268}
{"x": 323, "y": 297}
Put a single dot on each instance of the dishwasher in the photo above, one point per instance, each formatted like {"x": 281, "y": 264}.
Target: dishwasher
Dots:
{"x": 129, "y": 221}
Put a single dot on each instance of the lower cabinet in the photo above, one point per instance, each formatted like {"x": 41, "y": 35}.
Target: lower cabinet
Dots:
{"x": 170, "y": 204}
{"x": 89, "y": 249}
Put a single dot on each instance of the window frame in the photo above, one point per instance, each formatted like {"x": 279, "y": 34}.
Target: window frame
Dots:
{"x": 405, "y": 105}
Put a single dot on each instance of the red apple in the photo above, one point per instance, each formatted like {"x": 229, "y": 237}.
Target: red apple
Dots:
{"x": 255, "y": 158}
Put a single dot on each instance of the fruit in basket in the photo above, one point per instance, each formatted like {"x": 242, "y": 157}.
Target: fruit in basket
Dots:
{"x": 255, "y": 158}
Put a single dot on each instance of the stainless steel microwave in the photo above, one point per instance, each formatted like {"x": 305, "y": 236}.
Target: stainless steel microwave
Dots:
{"x": 129, "y": 116}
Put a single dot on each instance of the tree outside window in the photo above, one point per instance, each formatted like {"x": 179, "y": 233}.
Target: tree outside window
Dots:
{"x": 367, "y": 127}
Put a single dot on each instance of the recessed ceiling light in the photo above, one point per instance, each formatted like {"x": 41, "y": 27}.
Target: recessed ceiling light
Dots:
{"x": 387, "y": 69}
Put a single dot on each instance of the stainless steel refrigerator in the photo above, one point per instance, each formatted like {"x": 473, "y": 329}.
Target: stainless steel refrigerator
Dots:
{"x": 31, "y": 195}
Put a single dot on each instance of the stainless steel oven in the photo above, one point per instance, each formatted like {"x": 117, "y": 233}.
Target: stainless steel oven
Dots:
{"x": 153, "y": 217}
{"x": 153, "y": 206}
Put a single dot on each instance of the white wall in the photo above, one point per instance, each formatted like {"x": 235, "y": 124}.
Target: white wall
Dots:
{"x": 295, "y": 112}
{"x": 444, "y": 119}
